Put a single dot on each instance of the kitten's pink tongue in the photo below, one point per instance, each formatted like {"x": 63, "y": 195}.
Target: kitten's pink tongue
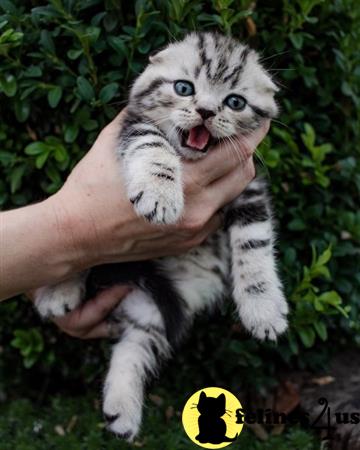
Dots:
{"x": 198, "y": 137}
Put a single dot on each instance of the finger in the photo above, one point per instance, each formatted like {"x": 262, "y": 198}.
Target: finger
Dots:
{"x": 96, "y": 309}
{"x": 101, "y": 330}
{"x": 226, "y": 189}
{"x": 92, "y": 312}
{"x": 225, "y": 157}
{"x": 110, "y": 133}
{"x": 212, "y": 225}
{"x": 117, "y": 120}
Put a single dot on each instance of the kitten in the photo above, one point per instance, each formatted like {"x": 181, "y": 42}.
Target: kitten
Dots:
{"x": 193, "y": 94}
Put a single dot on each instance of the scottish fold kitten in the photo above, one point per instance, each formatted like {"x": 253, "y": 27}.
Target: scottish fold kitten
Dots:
{"x": 193, "y": 94}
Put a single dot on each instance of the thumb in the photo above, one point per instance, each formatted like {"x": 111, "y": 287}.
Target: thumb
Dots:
{"x": 96, "y": 309}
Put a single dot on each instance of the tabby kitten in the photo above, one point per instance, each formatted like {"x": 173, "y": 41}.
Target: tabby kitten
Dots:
{"x": 194, "y": 93}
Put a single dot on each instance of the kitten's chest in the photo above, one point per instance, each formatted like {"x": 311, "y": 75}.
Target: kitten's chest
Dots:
{"x": 202, "y": 274}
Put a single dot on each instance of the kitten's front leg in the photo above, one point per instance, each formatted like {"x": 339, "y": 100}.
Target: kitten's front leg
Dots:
{"x": 153, "y": 178}
{"x": 258, "y": 291}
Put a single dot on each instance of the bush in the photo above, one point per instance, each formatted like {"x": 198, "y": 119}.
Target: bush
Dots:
{"x": 65, "y": 69}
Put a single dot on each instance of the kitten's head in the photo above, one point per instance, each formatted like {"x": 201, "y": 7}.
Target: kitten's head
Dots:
{"x": 211, "y": 406}
{"x": 203, "y": 89}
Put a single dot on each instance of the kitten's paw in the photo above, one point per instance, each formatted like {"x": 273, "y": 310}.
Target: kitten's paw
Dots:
{"x": 122, "y": 411}
{"x": 158, "y": 203}
{"x": 263, "y": 317}
{"x": 58, "y": 300}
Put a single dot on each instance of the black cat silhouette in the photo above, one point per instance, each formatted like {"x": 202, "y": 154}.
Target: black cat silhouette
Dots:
{"x": 212, "y": 428}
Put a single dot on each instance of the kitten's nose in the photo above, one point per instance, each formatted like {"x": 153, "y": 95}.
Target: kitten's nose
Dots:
{"x": 205, "y": 113}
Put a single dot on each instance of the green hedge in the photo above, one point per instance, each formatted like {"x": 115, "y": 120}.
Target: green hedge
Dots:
{"x": 65, "y": 69}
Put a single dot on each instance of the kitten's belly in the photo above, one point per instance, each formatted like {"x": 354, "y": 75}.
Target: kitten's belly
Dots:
{"x": 202, "y": 273}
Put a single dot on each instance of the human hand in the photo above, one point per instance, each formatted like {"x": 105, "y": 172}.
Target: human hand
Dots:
{"x": 99, "y": 221}
{"x": 88, "y": 321}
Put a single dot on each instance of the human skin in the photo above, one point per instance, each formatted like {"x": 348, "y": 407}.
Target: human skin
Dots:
{"x": 90, "y": 220}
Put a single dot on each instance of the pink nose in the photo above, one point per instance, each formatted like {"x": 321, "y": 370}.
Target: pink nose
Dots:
{"x": 205, "y": 113}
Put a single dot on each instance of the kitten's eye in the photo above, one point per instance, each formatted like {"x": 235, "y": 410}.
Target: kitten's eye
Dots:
{"x": 235, "y": 102}
{"x": 184, "y": 88}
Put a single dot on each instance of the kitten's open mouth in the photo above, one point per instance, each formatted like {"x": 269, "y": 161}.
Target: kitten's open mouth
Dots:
{"x": 197, "y": 138}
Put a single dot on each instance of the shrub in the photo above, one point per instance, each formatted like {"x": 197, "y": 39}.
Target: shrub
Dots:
{"x": 65, "y": 70}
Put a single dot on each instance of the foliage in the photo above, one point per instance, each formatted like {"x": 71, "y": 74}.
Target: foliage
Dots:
{"x": 65, "y": 69}
{"x": 76, "y": 425}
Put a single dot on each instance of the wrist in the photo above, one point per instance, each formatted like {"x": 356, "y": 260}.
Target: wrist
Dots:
{"x": 75, "y": 234}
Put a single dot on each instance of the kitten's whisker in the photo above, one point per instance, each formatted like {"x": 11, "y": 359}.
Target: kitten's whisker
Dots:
{"x": 281, "y": 123}
{"x": 280, "y": 70}
{"x": 275, "y": 54}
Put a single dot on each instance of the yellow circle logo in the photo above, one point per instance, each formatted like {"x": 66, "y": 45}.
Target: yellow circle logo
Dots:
{"x": 209, "y": 418}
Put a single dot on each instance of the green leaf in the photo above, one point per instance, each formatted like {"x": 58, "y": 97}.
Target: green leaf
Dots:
{"x": 36, "y": 148}
{"x": 89, "y": 125}
{"x": 119, "y": 45}
{"x": 331, "y": 298}
{"x": 16, "y": 177}
{"x": 22, "y": 110}
{"x": 8, "y": 6}
{"x": 108, "y": 92}
{"x": 272, "y": 158}
{"x": 6, "y": 158}
{"x": 293, "y": 343}
{"x": 86, "y": 91}
{"x": 307, "y": 335}
{"x": 33, "y": 71}
{"x": 297, "y": 40}
{"x": 54, "y": 96}
{"x": 8, "y": 85}
{"x": 41, "y": 160}
{"x": 71, "y": 133}
{"x": 321, "y": 330}
{"x": 74, "y": 54}
{"x": 60, "y": 153}
{"x": 324, "y": 257}
{"x": 46, "y": 41}
{"x": 308, "y": 137}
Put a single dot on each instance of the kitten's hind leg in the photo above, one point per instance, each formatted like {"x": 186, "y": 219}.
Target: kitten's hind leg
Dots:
{"x": 258, "y": 292}
{"x": 58, "y": 299}
{"x": 135, "y": 358}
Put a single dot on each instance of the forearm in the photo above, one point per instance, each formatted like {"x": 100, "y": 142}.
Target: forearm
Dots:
{"x": 36, "y": 248}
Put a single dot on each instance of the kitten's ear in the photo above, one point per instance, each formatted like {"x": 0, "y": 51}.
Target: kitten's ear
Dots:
{"x": 155, "y": 56}
{"x": 222, "y": 399}
{"x": 270, "y": 86}
{"x": 202, "y": 396}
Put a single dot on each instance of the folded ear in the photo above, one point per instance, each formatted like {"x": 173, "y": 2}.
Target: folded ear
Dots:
{"x": 156, "y": 56}
{"x": 269, "y": 84}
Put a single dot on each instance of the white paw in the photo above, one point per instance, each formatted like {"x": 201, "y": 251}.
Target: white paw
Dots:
{"x": 58, "y": 300}
{"x": 122, "y": 410}
{"x": 158, "y": 202}
{"x": 265, "y": 318}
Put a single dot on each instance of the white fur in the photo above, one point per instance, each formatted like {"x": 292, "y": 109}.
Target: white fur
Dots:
{"x": 131, "y": 360}
{"x": 58, "y": 299}
{"x": 139, "y": 175}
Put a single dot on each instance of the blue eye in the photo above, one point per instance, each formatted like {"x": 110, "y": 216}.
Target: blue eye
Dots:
{"x": 235, "y": 102}
{"x": 184, "y": 88}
